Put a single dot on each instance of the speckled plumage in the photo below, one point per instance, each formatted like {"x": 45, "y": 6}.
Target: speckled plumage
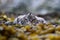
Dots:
{"x": 29, "y": 18}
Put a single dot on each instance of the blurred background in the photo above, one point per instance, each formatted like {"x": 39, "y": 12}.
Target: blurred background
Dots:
{"x": 48, "y": 9}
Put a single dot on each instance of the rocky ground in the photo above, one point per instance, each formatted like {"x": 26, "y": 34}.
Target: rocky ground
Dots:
{"x": 50, "y": 31}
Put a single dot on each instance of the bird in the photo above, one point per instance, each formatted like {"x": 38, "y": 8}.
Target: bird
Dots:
{"x": 29, "y": 19}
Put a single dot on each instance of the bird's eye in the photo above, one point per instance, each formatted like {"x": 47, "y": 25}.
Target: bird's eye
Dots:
{"x": 22, "y": 22}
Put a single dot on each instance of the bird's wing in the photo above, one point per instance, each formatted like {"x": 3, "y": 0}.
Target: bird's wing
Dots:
{"x": 41, "y": 19}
